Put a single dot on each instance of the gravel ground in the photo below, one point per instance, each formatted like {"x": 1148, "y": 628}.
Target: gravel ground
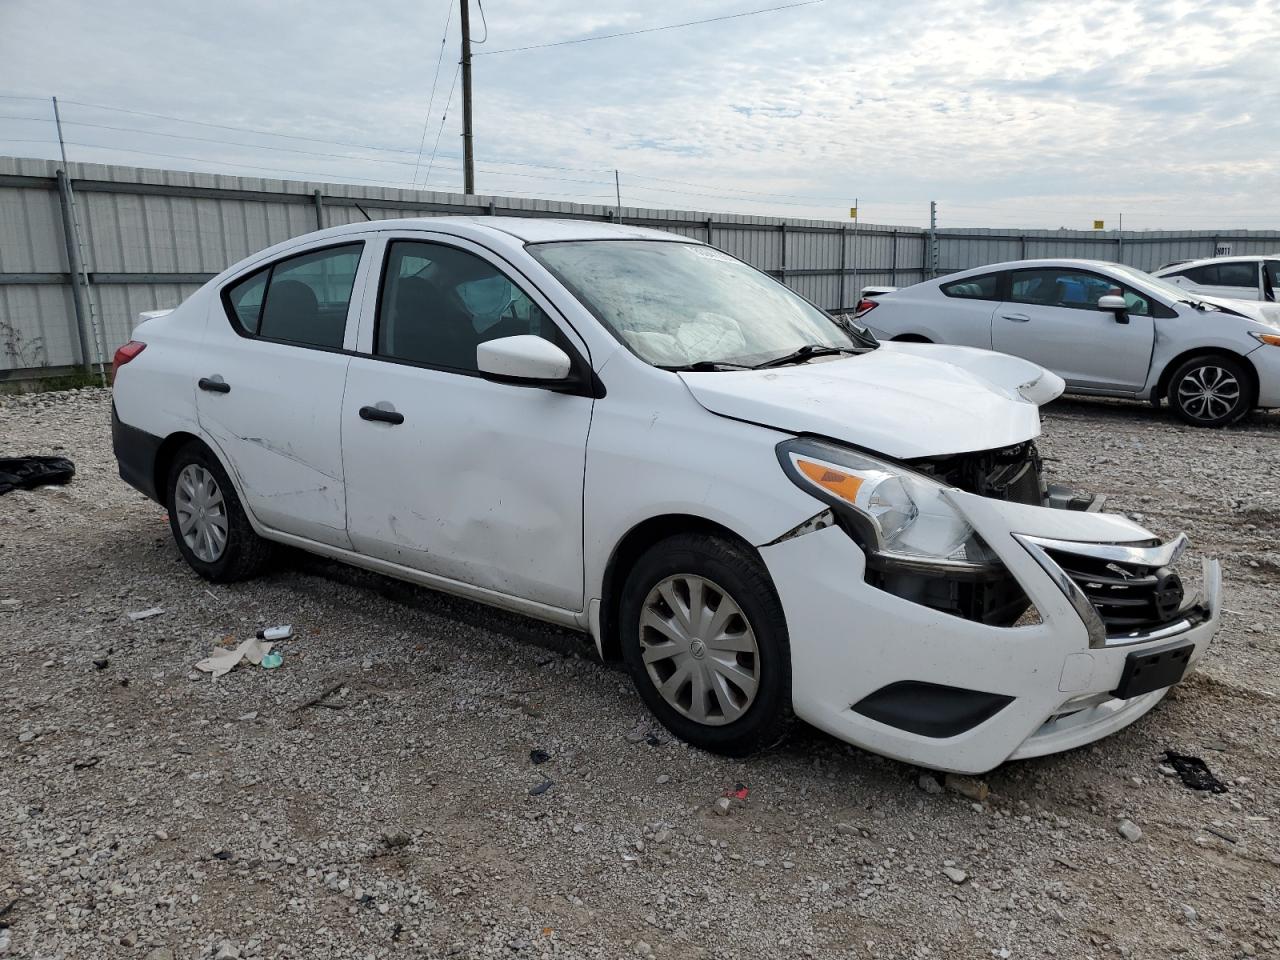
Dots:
{"x": 375, "y": 796}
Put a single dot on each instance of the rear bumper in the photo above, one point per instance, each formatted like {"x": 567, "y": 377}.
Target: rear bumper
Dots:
{"x": 1047, "y": 684}
{"x": 136, "y": 452}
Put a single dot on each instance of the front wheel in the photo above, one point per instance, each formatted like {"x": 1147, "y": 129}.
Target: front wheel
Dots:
{"x": 705, "y": 642}
{"x": 1211, "y": 391}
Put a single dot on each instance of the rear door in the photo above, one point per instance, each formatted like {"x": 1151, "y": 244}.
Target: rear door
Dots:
{"x": 450, "y": 472}
{"x": 270, "y": 391}
{"x": 1050, "y": 316}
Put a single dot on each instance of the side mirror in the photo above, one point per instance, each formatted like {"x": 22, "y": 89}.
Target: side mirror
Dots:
{"x": 1116, "y": 305}
{"x": 524, "y": 357}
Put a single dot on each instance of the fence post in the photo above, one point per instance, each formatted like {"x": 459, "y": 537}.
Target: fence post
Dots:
{"x": 843, "y": 240}
{"x": 1022, "y": 246}
{"x": 319, "y": 201}
{"x": 73, "y": 263}
{"x": 893, "y": 256}
{"x": 709, "y": 228}
{"x": 782, "y": 274}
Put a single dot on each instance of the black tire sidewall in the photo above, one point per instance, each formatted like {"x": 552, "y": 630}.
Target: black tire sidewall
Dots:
{"x": 743, "y": 577}
{"x": 1237, "y": 369}
{"x": 230, "y": 565}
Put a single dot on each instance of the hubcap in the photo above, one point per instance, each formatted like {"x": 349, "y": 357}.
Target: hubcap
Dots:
{"x": 201, "y": 512}
{"x": 699, "y": 650}
{"x": 1209, "y": 392}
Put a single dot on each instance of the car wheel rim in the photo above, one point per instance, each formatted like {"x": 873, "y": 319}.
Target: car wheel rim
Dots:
{"x": 1209, "y": 392}
{"x": 201, "y": 512}
{"x": 699, "y": 649}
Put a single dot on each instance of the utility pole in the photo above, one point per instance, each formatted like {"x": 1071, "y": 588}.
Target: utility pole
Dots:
{"x": 617, "y": 192}
{"x": 468, "y": 154}
{"x": 933, "y": 238}
{"x": 57, "y": 122}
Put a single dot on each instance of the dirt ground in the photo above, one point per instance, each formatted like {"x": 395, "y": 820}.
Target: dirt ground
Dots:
{"x": 375, "y": 796}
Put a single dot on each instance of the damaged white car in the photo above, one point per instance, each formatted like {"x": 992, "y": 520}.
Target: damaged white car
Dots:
{"x": 761, "y": 510}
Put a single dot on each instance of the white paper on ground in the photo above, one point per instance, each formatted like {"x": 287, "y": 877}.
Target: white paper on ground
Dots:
{"x": 224, "y": 659}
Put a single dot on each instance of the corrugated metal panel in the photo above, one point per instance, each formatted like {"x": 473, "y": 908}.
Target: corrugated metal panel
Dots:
{"x": 175, "y": 228}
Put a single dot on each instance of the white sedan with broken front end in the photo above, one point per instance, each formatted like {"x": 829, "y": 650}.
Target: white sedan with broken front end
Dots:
{"x": 761, "y": 510}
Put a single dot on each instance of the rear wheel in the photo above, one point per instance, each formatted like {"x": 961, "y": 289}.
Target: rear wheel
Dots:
{"x": 209, "y": 525}
{"x": 1211, "y": 391}
{"x": 705, "y": 641}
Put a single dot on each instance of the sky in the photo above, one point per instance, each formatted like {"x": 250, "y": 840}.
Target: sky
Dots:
{"x": 1008, "y": 113}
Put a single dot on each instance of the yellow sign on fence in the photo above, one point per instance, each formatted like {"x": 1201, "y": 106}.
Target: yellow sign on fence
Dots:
{"x": 1099, "y": 225}
{"x": 853, "y": 213}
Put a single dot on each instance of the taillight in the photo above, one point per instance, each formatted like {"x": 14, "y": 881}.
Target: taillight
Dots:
{"x": 125, "y": 354}
{"x": 865, "y": 305}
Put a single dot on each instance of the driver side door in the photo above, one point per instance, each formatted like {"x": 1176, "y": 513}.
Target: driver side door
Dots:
{"x": 475, "y": 480}
{"x": 1051, "y": 317}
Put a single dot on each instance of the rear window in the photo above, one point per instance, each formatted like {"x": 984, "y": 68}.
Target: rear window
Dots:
{"x": 302, "y": 299}
{"x": 986, "y": 287}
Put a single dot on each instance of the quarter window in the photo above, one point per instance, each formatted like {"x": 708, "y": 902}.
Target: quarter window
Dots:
{"x": 302, "y": 300}
{"x": 974, "y": 288}
{"x": 439, "y": 303}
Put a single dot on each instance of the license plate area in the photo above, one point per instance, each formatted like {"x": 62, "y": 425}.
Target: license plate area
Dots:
{"x": 1145, "y": 672}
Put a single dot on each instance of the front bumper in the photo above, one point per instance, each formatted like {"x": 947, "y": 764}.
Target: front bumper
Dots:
{"x": 1266, "y": 361}
{"x": 1048, "y": 683}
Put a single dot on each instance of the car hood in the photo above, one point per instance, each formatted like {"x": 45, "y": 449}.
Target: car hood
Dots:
{"x": 1268, "y": 313}
{"x": 903, "y": 400}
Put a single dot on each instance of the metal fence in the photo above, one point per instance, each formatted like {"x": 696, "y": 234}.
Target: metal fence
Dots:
{"x": 149, "y": 238}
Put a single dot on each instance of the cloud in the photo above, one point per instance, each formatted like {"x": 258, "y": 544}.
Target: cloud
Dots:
{"x": 1005, "y": 111}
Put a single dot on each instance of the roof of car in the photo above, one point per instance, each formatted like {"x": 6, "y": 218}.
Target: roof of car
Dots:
{"x": 1244, "y": 257}
{"x": 527, "y": 229}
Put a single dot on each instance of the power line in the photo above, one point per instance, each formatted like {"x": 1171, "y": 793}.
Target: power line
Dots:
{"x": 633, "y": 33}
{"x": 426, "y": 121}
{"x": 443, "y": 117}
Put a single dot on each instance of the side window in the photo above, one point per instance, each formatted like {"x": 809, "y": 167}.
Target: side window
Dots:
{"x": 1273, "y": 276}
{"x": 302, "y": 300}
{"x": 1204, "y": 276}
{"x": 439, "y": 303}
{"x": 974, "y": 288}
{"x": 1059, "y": 288}
{"x": 1238, "y": 275}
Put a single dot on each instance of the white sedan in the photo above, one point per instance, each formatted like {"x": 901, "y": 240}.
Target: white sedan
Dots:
{"x": 1236, "y": 278}
{"x": 1106, "y": 329}
{"x": 759, "y": 509}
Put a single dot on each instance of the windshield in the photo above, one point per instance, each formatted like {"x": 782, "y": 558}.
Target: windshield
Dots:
{"x": 1158, "y": 284}
{"x": 683, "y": 304}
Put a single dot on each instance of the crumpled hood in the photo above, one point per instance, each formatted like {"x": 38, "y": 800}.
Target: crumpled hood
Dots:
{"x": 1268, "y": 313}
{"x": 903, "y": 400}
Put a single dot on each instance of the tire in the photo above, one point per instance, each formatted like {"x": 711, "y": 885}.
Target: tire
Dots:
{"x": 716, "y": 658}
{"x": 197, "y": 481}
{"x": 1211, "y": 390}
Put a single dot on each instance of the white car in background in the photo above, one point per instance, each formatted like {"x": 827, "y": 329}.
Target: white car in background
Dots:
{"x": 1106, "y": 329}
{"x": 1237, "y": 278}
{"x": 759, "y": 509}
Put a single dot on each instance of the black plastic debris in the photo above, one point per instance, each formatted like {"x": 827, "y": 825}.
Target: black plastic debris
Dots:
{"x": 1194, "y": 773}
{"x": 29, "y": 472}
{"x": 539, "y": 756}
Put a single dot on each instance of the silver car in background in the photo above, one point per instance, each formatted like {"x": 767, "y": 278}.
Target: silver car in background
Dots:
{"x": 1106, "y": 329}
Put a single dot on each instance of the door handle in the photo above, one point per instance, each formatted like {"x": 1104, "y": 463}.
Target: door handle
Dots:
{"x": 380, "y": 415}
{"x": 1016, "y": 317}
{"x": 213, "y": 385}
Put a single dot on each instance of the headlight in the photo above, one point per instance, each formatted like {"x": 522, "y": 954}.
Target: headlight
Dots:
{"x": 895, "y": 512}
{"x": 1271, "y": 338}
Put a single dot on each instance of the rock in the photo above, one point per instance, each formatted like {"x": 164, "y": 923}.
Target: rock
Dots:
{"x": 929, "y": 783}
{"x": 642, "y": 949}
{"x": 101, "y": 663}
{"x": 227, "y": 951}
{"x": 848, "y": 830}
{"x": 970, "y": 787}
{"x": 955, "y": 874}
{"x": 723, "y": 805}
{"x": 1129, "y": 830}
{"x": 130, "y": 939}
{"x": 663, "y": 778}
{"x": 1189, "y": 913}
{"x": 26, "y": 737}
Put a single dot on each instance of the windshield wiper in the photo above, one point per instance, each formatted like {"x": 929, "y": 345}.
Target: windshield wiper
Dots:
{"x": 804, "y": 353}
{"x": 706, "y": 366}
